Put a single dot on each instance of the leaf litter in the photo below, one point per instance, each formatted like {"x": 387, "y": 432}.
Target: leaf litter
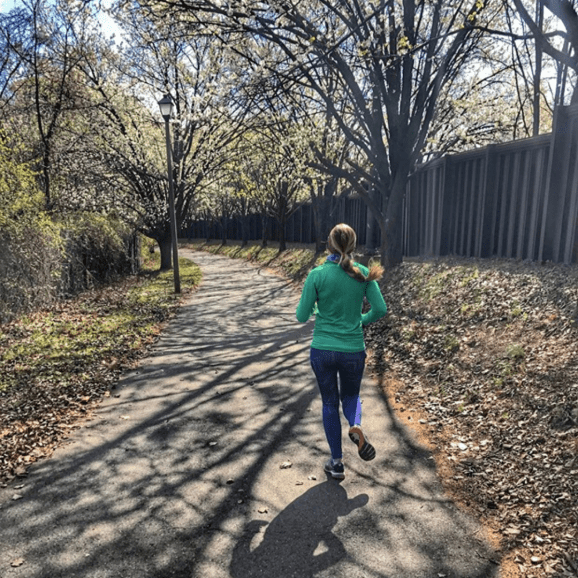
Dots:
{"x": 484, "y": 353}
{"x": 484, "y": 347}
{"x": 487, "y": 347}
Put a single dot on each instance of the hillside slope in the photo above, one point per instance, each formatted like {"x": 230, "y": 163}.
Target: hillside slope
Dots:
{"x": 482, "y": 358}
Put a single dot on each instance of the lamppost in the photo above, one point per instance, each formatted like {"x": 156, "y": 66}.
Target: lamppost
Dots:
{"x": 166, "y": 106}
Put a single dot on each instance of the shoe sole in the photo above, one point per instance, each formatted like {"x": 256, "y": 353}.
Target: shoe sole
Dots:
{"x": 364, "y": 448}
{"x": 335, "y": 475}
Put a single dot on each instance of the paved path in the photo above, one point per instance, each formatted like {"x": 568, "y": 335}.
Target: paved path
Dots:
{"x": 180, "y": 475}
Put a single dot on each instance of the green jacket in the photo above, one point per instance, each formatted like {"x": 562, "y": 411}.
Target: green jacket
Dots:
{"x": 336, "y": 300}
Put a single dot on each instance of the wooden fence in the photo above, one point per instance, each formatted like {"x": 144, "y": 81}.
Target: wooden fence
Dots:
{"x": 514, "y": 200}
{"x": 300, "y": 227}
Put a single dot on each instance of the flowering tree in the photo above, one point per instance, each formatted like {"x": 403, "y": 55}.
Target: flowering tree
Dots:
{"x": 241, "y": 188}
{"x": 130, "y": 141}
{"x": 42, "y": 96}
{"x": 277, "y": 169}
{"x": 390, "y": 58}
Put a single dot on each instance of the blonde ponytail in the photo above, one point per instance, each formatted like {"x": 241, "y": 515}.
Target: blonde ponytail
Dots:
{"x": 375, "y": 273}
{"x": 342, "y": 240}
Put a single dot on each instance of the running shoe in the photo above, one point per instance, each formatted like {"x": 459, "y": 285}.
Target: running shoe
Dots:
{"x": 365, "y": 449}
{"x": 337, "y": 470}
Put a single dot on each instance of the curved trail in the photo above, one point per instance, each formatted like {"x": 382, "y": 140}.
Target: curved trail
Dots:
{"x": 180, "y": 475}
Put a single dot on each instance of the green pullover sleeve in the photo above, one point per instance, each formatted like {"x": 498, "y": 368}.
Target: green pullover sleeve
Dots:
{"x": 378, "y": 306}
{"x": 306, "y": 306}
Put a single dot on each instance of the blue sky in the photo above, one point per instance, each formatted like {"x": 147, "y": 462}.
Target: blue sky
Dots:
{"x": 108, "y": 25}
{"x": 6, "y": 5}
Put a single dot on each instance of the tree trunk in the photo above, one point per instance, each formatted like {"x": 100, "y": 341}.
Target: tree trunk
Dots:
{"x": 321, "y": 205}
{"x": 391, "y": 232}
{"x": 244, "y": 231}
{"x": 317, "y": 222}
{"x": 224, "y": 225}
{"x": 46, "y": 178}
{"x": 373, "y": 224}
{"x": 207, "y": 225}
{"x": 538, "y": 71}
{"x": 165, "y": 247}
{"x": 282, "y": 236}
{"x": 391, "y": 245}
{"x": 265, "y": 223}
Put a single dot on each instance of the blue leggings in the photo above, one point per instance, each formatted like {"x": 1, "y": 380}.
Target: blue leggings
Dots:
{"x": 327, "y": 365}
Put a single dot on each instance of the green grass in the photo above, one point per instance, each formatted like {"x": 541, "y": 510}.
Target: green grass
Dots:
{"x": 515, "y": 352}
{"x": 434, "y": 285}
{"x": 470, "y": 274}
{"x": 451, "y": 343}
{"x": 295, "y": 262}
{"x": 58, "y": 363}
{"x": 96, "y": 327}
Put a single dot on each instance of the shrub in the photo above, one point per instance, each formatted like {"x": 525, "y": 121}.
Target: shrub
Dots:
{"x": 30, "y": 245}
{"x": 98, "y": 249}
{"x": 42, "y": 259}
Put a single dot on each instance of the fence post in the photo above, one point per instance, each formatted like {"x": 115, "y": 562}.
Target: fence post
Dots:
{"x": 558, "y": 162}
{"x": 448, "y": 206}
{"x": 470, "y": 209}
{"x": 485, "y": 208}
{"x": 503, "y": 205}
{"x": 440, "y": 207}
{"x": 523, "y": 212}
{"x": 571, "y": 237}
{"x": 514, "y": 208}
{"x": 539, "y": 181}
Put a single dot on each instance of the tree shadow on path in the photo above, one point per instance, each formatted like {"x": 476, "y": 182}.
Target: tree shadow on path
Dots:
{"x": 168, "y": 480}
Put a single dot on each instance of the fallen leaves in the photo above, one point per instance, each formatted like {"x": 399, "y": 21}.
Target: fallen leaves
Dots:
{"x": 56, "y": 365}
{"x": 111, "y": 365}
{"x": 486, "y": 352}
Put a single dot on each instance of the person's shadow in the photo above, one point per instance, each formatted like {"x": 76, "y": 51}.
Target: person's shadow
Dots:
{"x": 299, "y": 541}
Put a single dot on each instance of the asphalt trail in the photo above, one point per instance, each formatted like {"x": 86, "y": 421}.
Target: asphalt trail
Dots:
{"x": 180, "y": 475}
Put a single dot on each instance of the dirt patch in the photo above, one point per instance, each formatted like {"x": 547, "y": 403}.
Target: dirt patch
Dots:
{"x": 479, "y": 358}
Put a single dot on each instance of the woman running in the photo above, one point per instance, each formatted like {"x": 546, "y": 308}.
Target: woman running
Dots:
{"x": 334, "y": 292}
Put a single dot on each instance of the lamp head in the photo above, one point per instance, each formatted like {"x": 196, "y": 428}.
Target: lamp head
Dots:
{"x": 166, "y": 106}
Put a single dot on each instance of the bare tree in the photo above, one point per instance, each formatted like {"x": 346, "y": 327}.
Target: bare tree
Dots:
{"x": 549, "y": 42}
{"x": 391, "y": 59}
